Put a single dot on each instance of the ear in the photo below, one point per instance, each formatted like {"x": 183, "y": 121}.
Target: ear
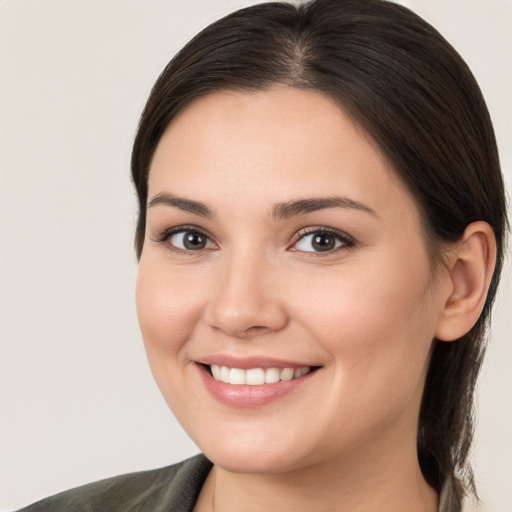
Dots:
{"x": 470, "y": 265}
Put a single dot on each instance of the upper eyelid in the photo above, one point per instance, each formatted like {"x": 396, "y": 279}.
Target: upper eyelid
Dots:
{"x": 347, "y": 241}
{"x": 321, "y": 229}
{"x": 167, "y": 233}
{"x": 298, "y": 235}
{"x": 164, "y": 236}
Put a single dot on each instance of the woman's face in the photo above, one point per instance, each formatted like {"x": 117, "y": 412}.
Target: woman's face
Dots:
{"x": 278, "y": 239}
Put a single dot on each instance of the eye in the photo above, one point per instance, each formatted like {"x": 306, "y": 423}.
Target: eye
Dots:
{"x": 186, "y": 239}
{"x": 321, "y": 241}
{"x": 190, "y": 240}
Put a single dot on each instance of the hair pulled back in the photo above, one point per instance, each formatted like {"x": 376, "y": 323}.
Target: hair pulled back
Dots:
{"x": 399, "y": 79}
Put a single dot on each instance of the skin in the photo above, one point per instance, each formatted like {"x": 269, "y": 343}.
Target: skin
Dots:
{"x": 366, "y": 312}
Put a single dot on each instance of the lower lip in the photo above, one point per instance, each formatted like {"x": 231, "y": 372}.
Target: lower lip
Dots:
{"x": 245, "y": 396}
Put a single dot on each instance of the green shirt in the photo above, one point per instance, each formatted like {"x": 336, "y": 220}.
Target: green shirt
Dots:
{"x": 170, "y": 489}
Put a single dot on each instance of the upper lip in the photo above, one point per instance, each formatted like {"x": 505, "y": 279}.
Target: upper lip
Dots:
{"x": 246, "y": 363}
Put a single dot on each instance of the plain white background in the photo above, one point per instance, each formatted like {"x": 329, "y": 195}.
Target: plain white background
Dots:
{"x": 77, "y": 400}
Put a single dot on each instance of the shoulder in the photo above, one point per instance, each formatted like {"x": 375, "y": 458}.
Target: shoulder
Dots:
{"x": 155, "y": 490}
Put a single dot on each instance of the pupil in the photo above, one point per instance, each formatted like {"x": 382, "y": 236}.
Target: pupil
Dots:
{"x": 323, "y": 242}
{"x": 194, "y": 241}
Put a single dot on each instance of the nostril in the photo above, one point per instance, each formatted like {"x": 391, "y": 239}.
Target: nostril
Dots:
{"x": 257, "y": 328}
{"x": 252, "y": 331}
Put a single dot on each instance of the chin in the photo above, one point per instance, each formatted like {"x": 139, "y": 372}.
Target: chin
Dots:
{"x": 252, "y": 451}
{"x": 247, "y": 462}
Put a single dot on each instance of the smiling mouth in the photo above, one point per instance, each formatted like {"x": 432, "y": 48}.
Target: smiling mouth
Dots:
{"x": 256, "y": 376}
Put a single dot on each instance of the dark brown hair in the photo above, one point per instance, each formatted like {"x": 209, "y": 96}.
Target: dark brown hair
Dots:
{"x": 399, "y": 79}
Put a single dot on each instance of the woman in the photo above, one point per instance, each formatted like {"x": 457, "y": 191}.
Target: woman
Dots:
{"x": 320, "y": 239}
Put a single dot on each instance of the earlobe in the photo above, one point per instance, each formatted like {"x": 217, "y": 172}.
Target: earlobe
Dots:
{"x": 471, "y": 266}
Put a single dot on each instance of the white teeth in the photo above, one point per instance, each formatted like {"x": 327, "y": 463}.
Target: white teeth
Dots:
{"x": 256, "y": 376}
{"x": 224, "y": 374}
{"x": 216, "y": 371}
{"x": 299, "y": 372}
{"x": 236, "y": 376}
{"x": 287, "y": 374}
{"x": 272, "y": 375}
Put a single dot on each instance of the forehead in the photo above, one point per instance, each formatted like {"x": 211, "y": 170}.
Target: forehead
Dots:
{"x": 271, "y": 144}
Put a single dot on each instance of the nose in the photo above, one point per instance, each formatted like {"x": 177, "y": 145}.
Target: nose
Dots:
{"x": 246, "y": 302}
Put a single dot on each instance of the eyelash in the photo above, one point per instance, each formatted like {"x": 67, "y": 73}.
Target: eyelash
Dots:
{"x": 347, "y": 242}
{"x": 166, "y": 235}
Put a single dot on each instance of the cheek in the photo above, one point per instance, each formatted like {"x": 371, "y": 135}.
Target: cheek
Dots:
{"x": 377, "y": 324}
{"x": 168, "y": 307}
{"x": 379, "y": 344}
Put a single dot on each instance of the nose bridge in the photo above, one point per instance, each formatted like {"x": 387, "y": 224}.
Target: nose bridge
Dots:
{"x": 245, "y": 302}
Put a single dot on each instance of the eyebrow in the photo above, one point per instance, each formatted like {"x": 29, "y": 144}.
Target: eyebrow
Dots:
{"x": 280, "y": 211}
{"x": 187, "y": 205}
{"x": 308, "y": 205}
